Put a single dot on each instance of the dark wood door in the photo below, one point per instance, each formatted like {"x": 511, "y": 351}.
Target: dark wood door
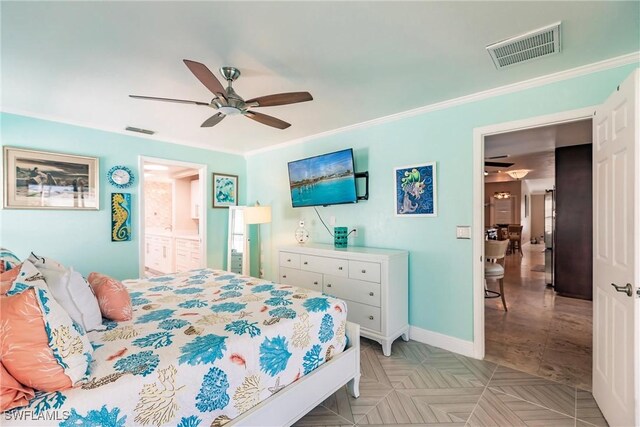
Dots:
{"x": 573, "y": 246}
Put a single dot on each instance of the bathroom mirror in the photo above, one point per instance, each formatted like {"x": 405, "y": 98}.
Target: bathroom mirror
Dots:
{"x": 237, "y": 255}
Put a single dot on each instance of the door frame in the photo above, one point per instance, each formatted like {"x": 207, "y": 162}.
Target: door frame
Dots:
{"x": 477, "y": 228}
{"x": 202, "y": 223}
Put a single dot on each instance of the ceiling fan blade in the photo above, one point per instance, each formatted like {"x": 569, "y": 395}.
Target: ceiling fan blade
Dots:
{"x": 206, "y": 77}
{"x": 498, "y": 164}
{"x": 281, "y": 99}
{"x": 267, "y": 120}
{"x": 503, "y": 156}
{"x": 213, "y": 120}
{"x": 181, "y": 101}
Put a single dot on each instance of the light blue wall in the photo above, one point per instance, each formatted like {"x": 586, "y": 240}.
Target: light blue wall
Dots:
{"x": 82, "y": 238}
{"x": 440, "y": 271}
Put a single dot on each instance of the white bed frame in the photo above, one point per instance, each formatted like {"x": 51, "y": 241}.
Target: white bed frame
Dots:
{"x": 295, "y": 400}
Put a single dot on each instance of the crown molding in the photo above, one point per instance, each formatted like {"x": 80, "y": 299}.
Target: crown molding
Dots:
{"x": 118, "y": 131}
{"x": 607, "y": 64}
{"x": 618, "y": 61}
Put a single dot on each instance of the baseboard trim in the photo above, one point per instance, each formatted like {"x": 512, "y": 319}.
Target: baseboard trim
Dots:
{"x": 446, "y": 342}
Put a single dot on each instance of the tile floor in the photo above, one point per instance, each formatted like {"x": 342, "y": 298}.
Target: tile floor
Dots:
{"x": 542, "y": 333}
{"x": 424, "y": 385}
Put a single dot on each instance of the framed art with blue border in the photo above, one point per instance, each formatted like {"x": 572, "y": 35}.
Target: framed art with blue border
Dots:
{"x": 120, "y": 177}
{"x": 415, "y": 190}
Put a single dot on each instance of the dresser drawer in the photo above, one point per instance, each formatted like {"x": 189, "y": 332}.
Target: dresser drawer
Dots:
{"x": 364, "y": 315}
{"x": 361, "y": 270}
{"x": 182, "y": 244}
{"x": 182, "y": 255}
{"x": 187, "y": 244}
{"x": 320, "y": 264}
{"x": 166, "y": 241}
{"x": 351, "y": 289}
{"x": 287, "y": 259}
{"x": 303, "y": 279}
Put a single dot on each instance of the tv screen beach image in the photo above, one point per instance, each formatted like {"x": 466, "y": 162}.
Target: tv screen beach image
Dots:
{"x": 323, "y": 180}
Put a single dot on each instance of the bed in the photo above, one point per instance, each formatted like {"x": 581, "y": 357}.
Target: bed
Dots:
{"x": 210, "y": 347}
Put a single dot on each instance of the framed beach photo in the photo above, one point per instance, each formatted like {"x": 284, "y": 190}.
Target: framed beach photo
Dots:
{"x": 225, "y": 190}
{"x": 44, "y": 180}
{"x": 416, "y": 190}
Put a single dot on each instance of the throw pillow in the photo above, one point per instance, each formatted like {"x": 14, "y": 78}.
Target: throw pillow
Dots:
{"x": 7, "y": 278}
{"x": 71, "y": 291}
{"x": 41, "y": 346}
{"x": 113, "y": 297}
{"x": 12, "y": 393}
{"x": 8, "y": 260}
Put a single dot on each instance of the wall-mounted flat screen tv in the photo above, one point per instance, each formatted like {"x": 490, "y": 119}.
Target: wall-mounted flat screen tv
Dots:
{"x": 328, "y": 179}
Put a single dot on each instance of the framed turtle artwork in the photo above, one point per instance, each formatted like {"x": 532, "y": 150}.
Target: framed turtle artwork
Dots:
{"x": 416, "y": 190}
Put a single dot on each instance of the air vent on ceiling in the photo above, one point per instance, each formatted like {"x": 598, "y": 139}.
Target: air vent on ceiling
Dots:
{"x": 145, "y": 131}
{"x": 526, "y": 47}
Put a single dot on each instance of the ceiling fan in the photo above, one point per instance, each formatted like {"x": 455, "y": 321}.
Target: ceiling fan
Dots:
{"x": 229, "y": 103}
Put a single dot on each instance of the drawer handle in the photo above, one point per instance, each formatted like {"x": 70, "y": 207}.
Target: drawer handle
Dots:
{"x": 289, "y": 260}
{"x": 370, "y": 317}
{"x": 305, "y": 263}
{"x": 328, "y": 285}
{"x": 364, "y": 271}
{"x": 339, "y": 268}
{"x": 315, "y": 283}
{"x": 284, "y": 276}
{"x": 370, "y": 294}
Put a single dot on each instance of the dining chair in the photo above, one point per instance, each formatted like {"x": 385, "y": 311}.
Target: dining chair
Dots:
{"x": 494, "y": 253}
{"x": 515, "y": 238}
{"x": 502, "y": 232}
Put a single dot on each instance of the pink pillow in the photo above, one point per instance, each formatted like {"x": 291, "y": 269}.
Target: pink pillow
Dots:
{"x": 12, "y": 393}
{"x": 7, "y": 278}
{"x": 24, "y": 345}
{"x": 113, "y": 297}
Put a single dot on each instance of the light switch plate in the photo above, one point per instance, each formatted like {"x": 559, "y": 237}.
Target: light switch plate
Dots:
{"x": 463, "y": 232}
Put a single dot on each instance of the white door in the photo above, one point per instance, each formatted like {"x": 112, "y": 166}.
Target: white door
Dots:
{"x": 616, "y": 315}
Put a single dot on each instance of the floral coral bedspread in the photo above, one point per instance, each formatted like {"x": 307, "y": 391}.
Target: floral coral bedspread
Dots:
{"x": 202, "y": 348}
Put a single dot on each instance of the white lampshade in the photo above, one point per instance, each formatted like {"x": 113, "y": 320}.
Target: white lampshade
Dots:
{"x": 518, "y": 173}
{"x": 257, "y": 214}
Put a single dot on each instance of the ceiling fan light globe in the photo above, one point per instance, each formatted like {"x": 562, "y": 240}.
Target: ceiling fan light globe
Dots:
{"x": 230, "y": 111}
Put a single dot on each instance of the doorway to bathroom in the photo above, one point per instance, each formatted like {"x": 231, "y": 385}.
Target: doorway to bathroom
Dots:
{"x": 172, "y": 216}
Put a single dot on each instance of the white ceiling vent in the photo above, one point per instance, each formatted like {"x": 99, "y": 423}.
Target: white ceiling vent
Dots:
{"x": 526, "y": 47}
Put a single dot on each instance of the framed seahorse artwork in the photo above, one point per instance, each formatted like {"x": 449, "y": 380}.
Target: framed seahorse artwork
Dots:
{"x": 416, "y": 190}
{"x": 120, "y": 217}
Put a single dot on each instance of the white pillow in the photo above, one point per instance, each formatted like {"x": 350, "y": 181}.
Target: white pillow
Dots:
{"x": 71, "y": 291}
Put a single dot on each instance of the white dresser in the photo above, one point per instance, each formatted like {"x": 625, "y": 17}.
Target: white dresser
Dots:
{"x": 373, "y": 282}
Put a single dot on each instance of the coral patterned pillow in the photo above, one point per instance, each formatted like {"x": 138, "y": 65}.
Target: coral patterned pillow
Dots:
{"x": 41, "y": 346}
{"x": 8, "y": 260}
{"x": 12, "y": 393}
{"x": 7, "y": 278}
{"x": 113, "y": 297}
